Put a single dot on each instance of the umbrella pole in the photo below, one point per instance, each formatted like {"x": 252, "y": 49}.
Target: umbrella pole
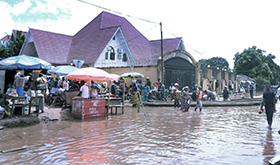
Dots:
{"x": 109, "y": 92}
{"x": 140, "y": 102}
{"x": 123, "y": 95}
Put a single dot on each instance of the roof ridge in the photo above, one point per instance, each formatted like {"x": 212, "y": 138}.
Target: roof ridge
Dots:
{"x": 51, "y": 32}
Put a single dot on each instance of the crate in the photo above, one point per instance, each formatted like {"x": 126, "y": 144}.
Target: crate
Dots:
{"x": 88, "y": 108}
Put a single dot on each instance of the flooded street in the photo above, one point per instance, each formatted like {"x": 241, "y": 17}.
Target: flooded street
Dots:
{"x": 162, "y": 135}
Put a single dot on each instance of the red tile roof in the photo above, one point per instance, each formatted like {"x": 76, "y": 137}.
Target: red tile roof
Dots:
{"x": 6, "y": 38}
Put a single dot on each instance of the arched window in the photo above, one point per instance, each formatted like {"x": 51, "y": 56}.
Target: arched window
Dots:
{"x": 124, "y": 57}
{"x": 110, "y": 53}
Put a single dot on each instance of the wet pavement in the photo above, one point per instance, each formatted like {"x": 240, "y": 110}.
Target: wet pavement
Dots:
{"x": 156, "y": 135}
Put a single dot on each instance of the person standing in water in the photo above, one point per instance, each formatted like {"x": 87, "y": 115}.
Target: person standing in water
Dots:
{"x": 177, "y": 95}
{"x": 185, "y": 99}
{"x": 268, "y": 101}
{"x": 199, "y": 99}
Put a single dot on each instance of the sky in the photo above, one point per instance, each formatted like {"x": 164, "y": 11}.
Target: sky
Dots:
{"x": 209, "y": 28}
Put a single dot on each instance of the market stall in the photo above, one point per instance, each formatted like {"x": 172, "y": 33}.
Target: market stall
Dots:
{"x": 87, "y": 108}
{"x": 23, "y": 100}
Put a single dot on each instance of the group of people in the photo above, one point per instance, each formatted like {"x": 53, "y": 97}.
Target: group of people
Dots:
{"x": 48, "y": 87}
{"x": 56, "y": 86}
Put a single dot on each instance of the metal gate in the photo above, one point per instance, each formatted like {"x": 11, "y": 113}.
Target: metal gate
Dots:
{"x": 179, "y": 70}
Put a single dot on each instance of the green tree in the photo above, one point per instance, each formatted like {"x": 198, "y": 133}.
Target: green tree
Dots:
{"x": 253, "y": 63}
{"x": 15, "y": 44}
{"x": 215, "y": 62}
{"x": 3, "y": 52}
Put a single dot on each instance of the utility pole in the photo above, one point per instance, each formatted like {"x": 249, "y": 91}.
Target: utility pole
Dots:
{"x": 161, "y": 51}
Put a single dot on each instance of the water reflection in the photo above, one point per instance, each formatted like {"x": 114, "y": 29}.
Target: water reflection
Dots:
{"x": 90, "y": 146}
{"x": 217, "y": 135}
{"x": 268, "y": 148}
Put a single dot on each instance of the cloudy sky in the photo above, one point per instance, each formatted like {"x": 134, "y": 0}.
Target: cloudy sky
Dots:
{"x": 209, "y": 28}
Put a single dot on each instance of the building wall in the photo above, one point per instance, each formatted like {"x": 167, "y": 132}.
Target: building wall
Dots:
{"x": 150, "y": 71}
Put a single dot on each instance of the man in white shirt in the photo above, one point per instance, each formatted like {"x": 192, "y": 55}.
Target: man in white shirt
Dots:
{"x": 84, "y": 90}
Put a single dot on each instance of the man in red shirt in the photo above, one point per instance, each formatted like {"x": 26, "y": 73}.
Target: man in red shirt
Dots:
{"x": 158, "y": 89}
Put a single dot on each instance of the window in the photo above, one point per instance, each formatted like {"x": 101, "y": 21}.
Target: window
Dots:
{"x": 124, "y": 57}
{"x": 112, "y": 56}
{"x": 110, "y": 53}
{"x": 106, "y": 55}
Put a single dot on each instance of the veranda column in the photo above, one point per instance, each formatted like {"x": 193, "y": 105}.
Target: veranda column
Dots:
{"x": 219, "y": 78}
{"x": 209, "y": 73}
{"x": 197, "y": 74}
{"x": 226, "y": 77}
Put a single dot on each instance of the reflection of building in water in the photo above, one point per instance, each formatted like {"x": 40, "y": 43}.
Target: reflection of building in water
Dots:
{"x": 88, "y": 148}
{"x": 268, "y": 148}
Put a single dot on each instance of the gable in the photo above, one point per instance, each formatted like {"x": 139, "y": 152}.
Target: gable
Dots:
{"x": 138, "y": 44}
{"x": 90, "y": 46}
{"x": 51, "y": 47}
{"x": 181, "y": 47}
{"x": 116, "y": 53}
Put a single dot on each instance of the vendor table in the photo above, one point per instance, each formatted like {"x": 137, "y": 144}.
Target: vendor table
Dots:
{"x": 83, "y": 108}
{"x": 114, "y": 102}
{"x": 20, "y": 101}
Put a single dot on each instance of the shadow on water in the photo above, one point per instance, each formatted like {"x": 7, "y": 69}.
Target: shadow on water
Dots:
{"x": 217, "y": 135}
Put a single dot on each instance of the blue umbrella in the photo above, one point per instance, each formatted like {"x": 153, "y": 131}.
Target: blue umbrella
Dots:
{"x": 24, "y": 62}
{"x": 62, "y": 70}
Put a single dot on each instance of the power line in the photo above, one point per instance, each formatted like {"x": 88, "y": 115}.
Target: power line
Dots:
{"x": 185, "y": 43}
{"x": 135, "y": 36}
{"x": 145, "y": 20}
{"x": 107, "y": 9}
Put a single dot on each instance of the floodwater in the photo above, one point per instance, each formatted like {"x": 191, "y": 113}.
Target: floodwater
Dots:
{"x": 158, "y": 135}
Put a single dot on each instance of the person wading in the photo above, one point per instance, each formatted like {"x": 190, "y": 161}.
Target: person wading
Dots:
{"x": 268, "y": 101}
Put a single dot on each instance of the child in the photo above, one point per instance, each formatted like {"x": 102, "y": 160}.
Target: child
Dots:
{"x": 199, "y": 99}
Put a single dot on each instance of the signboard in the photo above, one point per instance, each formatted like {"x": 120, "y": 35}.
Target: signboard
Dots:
{"x": 88, "y": 108}
{"x": 78, "y": 63}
